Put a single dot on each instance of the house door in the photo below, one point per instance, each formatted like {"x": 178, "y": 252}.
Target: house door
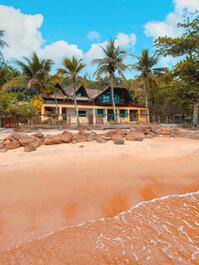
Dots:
{"x": 133, "y": 115}
{"x": 110, "y": 114}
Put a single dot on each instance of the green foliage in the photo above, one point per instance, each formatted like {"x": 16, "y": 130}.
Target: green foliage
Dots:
{"x": 72, "y": 69}
{"x": 113, "y": 62}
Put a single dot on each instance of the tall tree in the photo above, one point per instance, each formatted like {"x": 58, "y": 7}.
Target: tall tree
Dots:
{"x": 35, "y": 75}
{"x": 186, "y": 47}
{"x": 72, "y": 69}
{"x": 112, "y": 64}
{"x": 2, "y": 45}
{"x": 145, "y": 65}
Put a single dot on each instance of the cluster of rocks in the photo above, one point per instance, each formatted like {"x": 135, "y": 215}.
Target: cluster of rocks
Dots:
{"x": 32, "y": 142}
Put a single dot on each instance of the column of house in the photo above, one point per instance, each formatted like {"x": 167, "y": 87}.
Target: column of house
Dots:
{"x": 105, "y": 120}
{"x": 94, "y": 116}
{"x": 42, "y": 113}
{"x": 60, "y": 113}
{"x": 128, "y": 117}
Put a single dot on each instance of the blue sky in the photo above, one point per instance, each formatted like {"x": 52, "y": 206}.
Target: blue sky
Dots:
{"x": 57, "y": 29}
{"x": 73, "y": 19}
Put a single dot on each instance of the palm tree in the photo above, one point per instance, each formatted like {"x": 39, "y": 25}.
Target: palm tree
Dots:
{"x": 72, "y": 68}
{"x": 145, "y": 66}
{"x": 2, "y": 44}
{"x": 111, "y": 64}
{"x": 35, "y": 71}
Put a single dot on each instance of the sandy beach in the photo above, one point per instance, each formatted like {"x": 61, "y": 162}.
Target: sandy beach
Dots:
{"x": 62, "y": 185}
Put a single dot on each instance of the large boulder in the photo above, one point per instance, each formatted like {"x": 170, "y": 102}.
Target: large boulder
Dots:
{"x": 100, "y": 140}
{"x": 37, "y": 142}
{"x": 26, "y": 140}
{"x": 195, "y": 136}
{"x": 134, "y": 137}
{"x": 79, "y": 138}
{"x": 12, "y": 145}
{"x": 117, "y": 137}
{"x": 91, "y": 136}
{"x": 29, "y": 148}
{"x": 54, "y": 139}
{"x": 166, "y": 131}
{"x": 66, "y": 137}
{"x": 119, "y": 142}
{"x": 38, "y": 135}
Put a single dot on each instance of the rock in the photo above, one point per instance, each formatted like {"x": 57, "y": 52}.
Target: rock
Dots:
{"x": 78, "y": 138}
{"x": 165, "y": 131}
{"x": 100, "y": 140}
{"x": 53, "y": 139}
{"x": 1, "y": 145}
{"x": 134, "y": 137}
{"x": 26, "y": 140}
{"x": 3, "y": 150}
{"x": 90, "y": 138}
{"x": 120, "y": 142}
{"x": 38, "y": 142}
{"x": 117, "y": 137}
{"x": 111, "y": 133}
{"x": 66, "y": 137}
{"x": 29, "y": 148}
{"x": 81, "y": 146}
{"x": 38, "y": 135}
{"x": 15, "y": 136}
{"x": 106, "y": 138}
{"x": 82, "y": 131}
{"x": 148, "y": 136}
{"x": 12, "y": 145}
{"x": 195, "y": 136}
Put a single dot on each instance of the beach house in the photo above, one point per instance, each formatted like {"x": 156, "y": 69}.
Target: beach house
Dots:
{"x": 94, "y": 106}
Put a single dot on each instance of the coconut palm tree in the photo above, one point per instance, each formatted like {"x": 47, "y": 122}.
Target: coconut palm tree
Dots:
{"x": 112, "y": 64}
{"x": 35, "y": 75}
{"x": 72, "y": 69}
{"x": 35, "y": 71}
{"x": 2, "y": 44}
{"x": 145, "y": 65}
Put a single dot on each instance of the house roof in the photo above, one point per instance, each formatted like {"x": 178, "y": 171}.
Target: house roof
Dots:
{"x": 90, "y": 93}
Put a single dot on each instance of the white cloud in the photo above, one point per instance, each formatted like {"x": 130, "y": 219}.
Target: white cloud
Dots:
{"x": 22, "y": 33}
{"x": 191, "y": 5}
{"x": 168, "y": 27}
{"x": 123, "y": 40}
{"x": 60, "y": 49}
{"x": 93, "y": 35}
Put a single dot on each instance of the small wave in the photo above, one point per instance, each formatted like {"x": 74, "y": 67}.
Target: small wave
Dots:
{"x": 159, "y": 231}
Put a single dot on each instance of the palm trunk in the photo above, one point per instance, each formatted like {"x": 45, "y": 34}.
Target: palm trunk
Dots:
{"x": 75, "y": 104}
{"x": 113, "y": 98}
{"x": 195, "y": 114}
{"x": 146, "y": 92}
{"x": 56, "y": 105}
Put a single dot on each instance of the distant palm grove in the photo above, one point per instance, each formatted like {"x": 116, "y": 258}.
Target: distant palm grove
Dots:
{"x": 166, "y": 92}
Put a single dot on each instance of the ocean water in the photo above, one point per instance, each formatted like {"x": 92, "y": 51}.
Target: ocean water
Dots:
{"x": 162, "y": 231}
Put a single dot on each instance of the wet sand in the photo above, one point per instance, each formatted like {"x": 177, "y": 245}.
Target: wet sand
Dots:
{"x": 59, "y": 186}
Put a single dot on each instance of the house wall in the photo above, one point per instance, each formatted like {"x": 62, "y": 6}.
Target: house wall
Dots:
{"x": 143, "y": 116}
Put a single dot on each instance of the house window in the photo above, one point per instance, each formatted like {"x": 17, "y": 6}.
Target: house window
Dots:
{"x": 123, "y": 113}
{"x": 80, "y": 94}
{"x": 82, "y": 113}
{"x": 100, "y": 111}
{"x": 143, "y": 113}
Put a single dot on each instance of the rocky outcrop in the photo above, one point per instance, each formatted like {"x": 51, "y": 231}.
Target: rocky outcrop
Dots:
{"x": 118, "y": 137}
{"x": 66, "y": 137}
{"x": 51, "y": 140}
{"x": 12, "y": 145}
{"x": 29, "y": 148}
